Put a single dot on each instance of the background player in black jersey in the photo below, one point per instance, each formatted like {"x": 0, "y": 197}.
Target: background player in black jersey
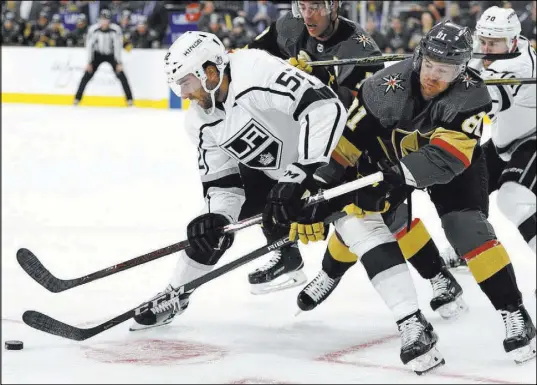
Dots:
{"x": 312, "y": 31}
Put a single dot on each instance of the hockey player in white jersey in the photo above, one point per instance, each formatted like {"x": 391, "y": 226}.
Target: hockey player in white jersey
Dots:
{"x": 250, "y": 109}
{"x": 510, "y": 153}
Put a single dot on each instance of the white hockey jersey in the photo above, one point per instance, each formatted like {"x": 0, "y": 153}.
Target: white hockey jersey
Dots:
{"x": 513, "y": 111}
{"x": 274, "y": 115}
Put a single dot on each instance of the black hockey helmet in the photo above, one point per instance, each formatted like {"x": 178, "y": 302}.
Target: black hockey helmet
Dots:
{"x": 446, "y": 42}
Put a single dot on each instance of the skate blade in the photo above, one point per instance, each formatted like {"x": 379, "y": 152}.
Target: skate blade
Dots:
{"x": 453, "y": 309}
{"x": 427, "y": 362}
{"x": 137, "y": 327}
{"x": 523, "y": 354}
{"x": 284, "y": 281}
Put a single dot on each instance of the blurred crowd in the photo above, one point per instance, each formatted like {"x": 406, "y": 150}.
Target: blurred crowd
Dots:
{"x": 409, "y": 21}
{"x": 396, "y": 26}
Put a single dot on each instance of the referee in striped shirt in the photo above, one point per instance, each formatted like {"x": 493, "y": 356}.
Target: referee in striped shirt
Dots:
{"x": 104, "y": 43}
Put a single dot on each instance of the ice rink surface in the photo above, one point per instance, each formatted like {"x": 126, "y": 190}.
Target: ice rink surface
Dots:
{"x": 85, "y": 188}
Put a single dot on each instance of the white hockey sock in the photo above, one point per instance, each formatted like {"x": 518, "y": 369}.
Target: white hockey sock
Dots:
{"x": 396, "y": 288}
{"x": 187, "y": 270}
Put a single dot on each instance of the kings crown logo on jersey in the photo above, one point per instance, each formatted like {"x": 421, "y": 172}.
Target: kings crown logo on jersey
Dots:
{"x": 255, "y": 147}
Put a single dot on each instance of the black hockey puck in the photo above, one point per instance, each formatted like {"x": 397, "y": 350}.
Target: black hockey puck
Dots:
{"x": 14, "y": 345}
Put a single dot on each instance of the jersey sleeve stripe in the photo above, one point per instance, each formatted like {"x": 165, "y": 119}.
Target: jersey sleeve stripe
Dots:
{"x": 202, "y": 152}
{"x": 264, "y": 89}
{"x": 232, "y": 181}
{"x": 334, "y": 128}
{"x": 310, "y": 96}
{"x": 306, "y": 137}
{"x": 455, "y": 143}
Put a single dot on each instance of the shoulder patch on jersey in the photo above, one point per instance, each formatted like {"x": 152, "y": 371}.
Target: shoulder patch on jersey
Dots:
{"x": 364, "y": 40}
{"x": 468, "y": 81}
{"x": 392, "y": 82}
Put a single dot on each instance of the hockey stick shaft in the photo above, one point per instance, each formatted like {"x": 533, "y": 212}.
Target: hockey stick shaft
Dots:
{"x": 35, "y": 269}
{"x": 510, "y": 82}
{"x": 372, "y": 60}
{"x": 50, "y": 325}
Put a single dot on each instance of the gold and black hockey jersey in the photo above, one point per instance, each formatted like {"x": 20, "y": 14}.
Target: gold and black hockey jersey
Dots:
{"x": 288, "y": 36}
{"x": 435, "y": 139}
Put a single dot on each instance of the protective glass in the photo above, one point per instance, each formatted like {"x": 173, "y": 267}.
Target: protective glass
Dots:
{"x": 440, "y": 71}
{"x": 185, "y": 86}
{"x": 312, "y": 8}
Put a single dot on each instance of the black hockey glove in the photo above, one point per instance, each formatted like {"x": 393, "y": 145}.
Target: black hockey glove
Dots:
{"x": 284, "y": 201}
{"x": 310, "y": 226}
{"x": 207, "y": 239}
{"x": 376, "y": 198}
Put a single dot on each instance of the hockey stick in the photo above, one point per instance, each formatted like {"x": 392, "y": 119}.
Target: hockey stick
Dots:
{"x": 398, "y": 57}
{"x": 50, "y": 325}
{"x": 510, "y": 82}
{"x": 35, "y": 269}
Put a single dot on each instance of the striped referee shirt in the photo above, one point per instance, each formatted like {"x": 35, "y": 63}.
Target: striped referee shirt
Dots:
{"x": 104, "y": 41}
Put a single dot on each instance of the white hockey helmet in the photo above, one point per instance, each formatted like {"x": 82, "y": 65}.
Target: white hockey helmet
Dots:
{"x": 499, "y": 22}
{"x": 186, "y": 57}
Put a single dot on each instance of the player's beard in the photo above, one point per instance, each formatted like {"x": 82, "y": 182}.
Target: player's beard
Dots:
{"x": 205, "y": 101}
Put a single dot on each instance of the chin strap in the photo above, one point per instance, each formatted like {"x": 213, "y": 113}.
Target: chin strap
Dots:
{"x": 332, "y": 28}
{"x": 212, "y": 92}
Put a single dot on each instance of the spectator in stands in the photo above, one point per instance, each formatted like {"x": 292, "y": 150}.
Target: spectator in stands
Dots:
{"x": 206, "y": 12}
{"x": 261, "y": 13}
{"x": 35, "y": 29}
{"x": 11, "y": 30}
{"x": 157, "y": 19}
{"x": 373, "y": 29}
{"x": 240, "y": 36}
{"x": 68, "y": 6}
{"x": 124, "y": 21}
{"x": 216, "y": 27}
{"x": 426, "y": 23}
{"x": 397, "y": 37}
{"x": 438, "y": 10}
{"x": 77, "y": 37}
{"x": 528, "y": 25}
{"x": 27, "y": 10}
{"x": 143, "y": 36}
{"x": 54, "y": 35}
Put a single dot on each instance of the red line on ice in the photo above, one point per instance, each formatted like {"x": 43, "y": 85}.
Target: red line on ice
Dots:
{"x": 335, "y": 357}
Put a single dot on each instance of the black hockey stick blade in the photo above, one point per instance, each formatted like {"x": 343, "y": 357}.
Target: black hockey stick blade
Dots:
{"x": 50, "y": 325}
{"x": 35, "y": 269}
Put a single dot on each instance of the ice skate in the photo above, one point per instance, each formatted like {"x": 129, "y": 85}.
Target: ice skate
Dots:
{"x": 519, "y": 342}
{"x": 447, "y": 295}
{"x": 282, "y": 271}
{"x": 316, "y": 291}
{"x": 418, "y": 344}
{"x": 162, "y": 314}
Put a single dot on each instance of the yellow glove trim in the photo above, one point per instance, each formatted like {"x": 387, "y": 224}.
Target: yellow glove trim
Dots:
{"x": 352, "y": 209}
{"x": 307, "y": 232}
{"x": 300, "y": 62}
